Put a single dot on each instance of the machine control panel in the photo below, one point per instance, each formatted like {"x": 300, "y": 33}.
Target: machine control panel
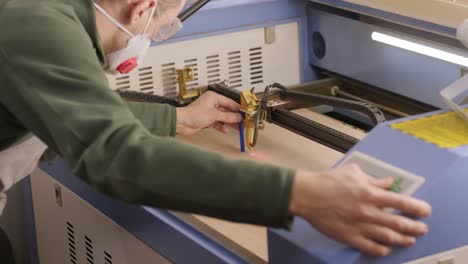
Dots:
{"x": 404, "y": 181}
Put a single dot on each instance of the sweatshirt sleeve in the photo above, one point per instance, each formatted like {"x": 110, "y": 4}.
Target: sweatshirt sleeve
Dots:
{"x": 159, "y": 119}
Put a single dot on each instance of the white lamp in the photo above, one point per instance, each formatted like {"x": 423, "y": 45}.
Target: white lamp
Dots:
{"x": 459, "y": 87}
{"x": 421, "y": 48}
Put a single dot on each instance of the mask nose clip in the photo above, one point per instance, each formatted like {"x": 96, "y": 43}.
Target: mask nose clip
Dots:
{"x": 127, "y": 66}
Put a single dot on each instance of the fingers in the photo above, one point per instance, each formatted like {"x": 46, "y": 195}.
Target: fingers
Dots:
{"x": 220, "y": 127}
{"x": 224, "y": 128}
{"x": 406, "y": 204}
{"x": 227, "y": 103}
{"x": 234, "y": 126}
{"x": 222, "y": 109}
{"x": 227, "y": 109}
{"x": 228, "y": 117}
{"x": 369, "y": 247}
{"x": 387, "y": 199}
{"x": 387, "y": 236}
{"x": 381, "y": 183}
{"x": 398, "y": 223}
{"x": 403, "y": 224}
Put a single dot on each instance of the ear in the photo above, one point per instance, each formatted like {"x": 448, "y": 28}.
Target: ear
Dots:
{"x": 139, "y": 9}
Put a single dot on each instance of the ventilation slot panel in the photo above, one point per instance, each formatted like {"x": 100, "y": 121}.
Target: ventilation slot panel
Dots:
{"x": 241, "y": 57}
{"x": 169, "y": 79}
{"x": 192, "y": 64}
{"x": 256, "y": 65}
{"x": 235, "y": 69}
{"x": 76, "y": 256}
{"x": 107, "y": 258}
{"x": 89, "y": 250}
{"x": 71, "y": 243}
{"x": 122, "y": 82}
{"x": 213, "y": 74}
{"x": 146, "y": 80}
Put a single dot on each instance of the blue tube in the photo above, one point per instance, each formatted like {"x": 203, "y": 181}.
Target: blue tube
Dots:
{"x": 241, "y": 133}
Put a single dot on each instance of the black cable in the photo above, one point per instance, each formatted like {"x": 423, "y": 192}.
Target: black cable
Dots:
{"x": 266, "y": 94}
{"x": 263, "y": 106}
{"x": 148, "y": 98}
{"x": 192, "y": 9}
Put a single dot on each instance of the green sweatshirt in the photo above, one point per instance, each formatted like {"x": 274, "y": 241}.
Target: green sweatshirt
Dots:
{"x": 52, "y": 84}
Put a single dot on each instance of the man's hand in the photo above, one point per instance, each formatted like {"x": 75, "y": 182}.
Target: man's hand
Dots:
{"x": 347, "y": 205}
{"x": 210, "y": 110}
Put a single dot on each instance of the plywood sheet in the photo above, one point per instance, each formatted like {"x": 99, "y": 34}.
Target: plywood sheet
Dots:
{"x": 275, "y": 145}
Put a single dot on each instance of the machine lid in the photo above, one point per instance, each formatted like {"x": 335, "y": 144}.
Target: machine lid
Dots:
{"x": 448, "y": 13}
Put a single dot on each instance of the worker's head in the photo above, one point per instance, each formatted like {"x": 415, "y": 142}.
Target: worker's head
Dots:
{"x": 126, "y": 26}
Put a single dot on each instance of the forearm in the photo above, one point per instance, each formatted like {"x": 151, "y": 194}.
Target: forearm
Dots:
{"x": 302, "y": 184}
{"x": 183, "y": 122}
{"x": 165, "y": 173}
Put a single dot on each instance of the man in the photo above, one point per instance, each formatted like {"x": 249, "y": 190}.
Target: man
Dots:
{"x": 52, "y": 54}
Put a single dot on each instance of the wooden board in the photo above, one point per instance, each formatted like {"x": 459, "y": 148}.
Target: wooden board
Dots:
{"x": 275, "y": 145}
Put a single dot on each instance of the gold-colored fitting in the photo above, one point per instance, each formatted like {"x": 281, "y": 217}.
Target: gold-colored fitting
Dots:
{"x": 183, "y": 76}
{"x": 250, "y": 107}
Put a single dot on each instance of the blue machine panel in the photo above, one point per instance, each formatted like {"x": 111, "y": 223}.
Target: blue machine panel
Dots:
{"x": 445, "y": 173}
{"x": 159, "y": 229}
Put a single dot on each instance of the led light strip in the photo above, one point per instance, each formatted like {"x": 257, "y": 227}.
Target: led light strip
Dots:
{"x": 419, "y": 48}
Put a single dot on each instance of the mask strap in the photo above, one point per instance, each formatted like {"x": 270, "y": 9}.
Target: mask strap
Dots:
{"x": 100, "y": 9}
{"x": 150, "y": 19}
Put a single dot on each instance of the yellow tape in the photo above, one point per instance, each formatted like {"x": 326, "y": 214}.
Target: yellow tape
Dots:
{"x": 446, "y": 130}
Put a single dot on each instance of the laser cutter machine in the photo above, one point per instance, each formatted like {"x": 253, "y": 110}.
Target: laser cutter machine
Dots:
{"x": 322, "y": 83}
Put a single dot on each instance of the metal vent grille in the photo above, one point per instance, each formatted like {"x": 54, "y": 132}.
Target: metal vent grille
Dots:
{"x": 242, "y": 57}
{"x": 169, "y": 79}
{"x": 235, "y": 69}
{"x": 213, "y": 74}
{"x": 107, "y": 258}
{"x": 193, "y": 64}
{"x": 122, "y": 82}
{"x": 146, "y": 80}
{"x": 256, "y": 65}
{"x": 89, "y": 250}
{"x": 71, "y": 243}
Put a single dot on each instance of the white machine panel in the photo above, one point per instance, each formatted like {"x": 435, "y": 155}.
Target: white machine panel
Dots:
{"x": 456, "y": 256}
{"x": 249, "y": 58}
{"x": 70, "y": 231}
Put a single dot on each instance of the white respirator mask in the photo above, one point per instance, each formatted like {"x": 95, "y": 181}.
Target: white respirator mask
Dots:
{"x": 127, "y": 59}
